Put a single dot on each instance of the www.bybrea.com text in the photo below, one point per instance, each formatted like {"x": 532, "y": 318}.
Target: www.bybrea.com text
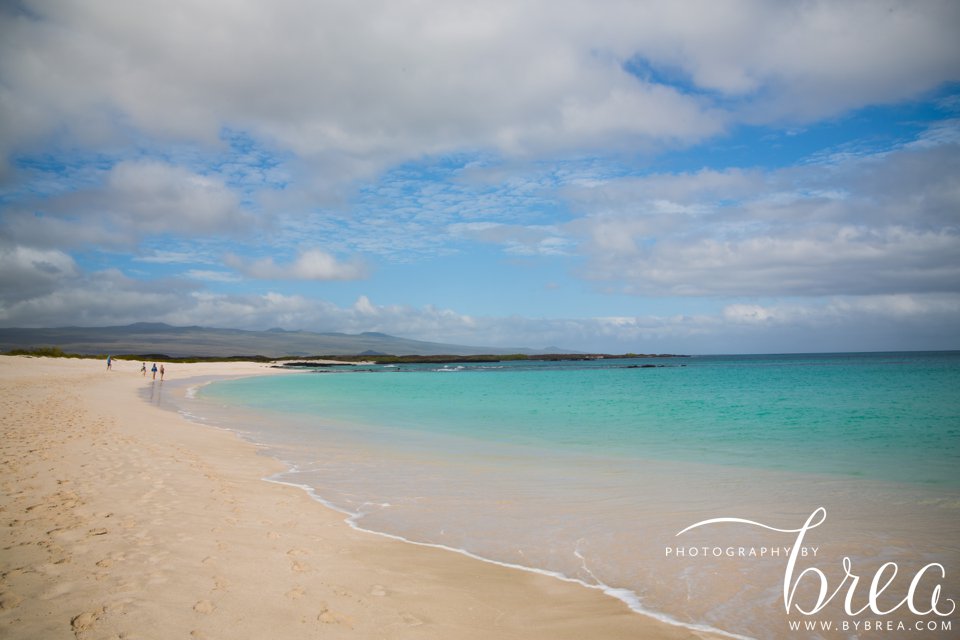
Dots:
{"x": 857, "y": 626}
{"x": 738, "y": 552}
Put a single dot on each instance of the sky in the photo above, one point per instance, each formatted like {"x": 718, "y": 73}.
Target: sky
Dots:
{"x": 651, "y": 177}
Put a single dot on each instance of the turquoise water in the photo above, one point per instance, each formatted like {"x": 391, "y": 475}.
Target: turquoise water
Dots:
{"x": 589, "y": 469}
{"x": 847, "y": 414}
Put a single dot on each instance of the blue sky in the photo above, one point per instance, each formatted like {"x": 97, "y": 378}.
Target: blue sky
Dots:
{"x": 699, "y": 177}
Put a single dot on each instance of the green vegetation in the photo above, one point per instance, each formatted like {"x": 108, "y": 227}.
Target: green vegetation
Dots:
{"x": 57, "y": 352}
{"x": 46, "y": 352}
{"x": 160, "y": 357}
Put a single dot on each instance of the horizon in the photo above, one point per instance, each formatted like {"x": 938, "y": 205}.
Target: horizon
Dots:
{"x": 550, "y": 350}
{"x": 608, "y": 178}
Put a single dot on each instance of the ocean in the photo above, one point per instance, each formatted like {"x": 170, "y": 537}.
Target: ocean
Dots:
{"x": 589, "y": 471}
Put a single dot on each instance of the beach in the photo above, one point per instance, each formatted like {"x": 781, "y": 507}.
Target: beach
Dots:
{"x": 588, "y": 470}
{"x": 122, "y": 520}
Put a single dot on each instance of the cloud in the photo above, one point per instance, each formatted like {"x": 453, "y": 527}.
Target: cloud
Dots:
{"x": 883, "y": 223}
{"x": 160, "y": 131}
{"x": 801, "y": 61}
{"x": 136, "y": 199}
{"x": 353, "y": 87}
{"x": 159, "y": 198}
{"x": 529, "y": 240}
{"x": 826, "y": 260}
{"x": 211, "y": 275}
{"x": 166, "y": 256}
{"x": 99, "y": 298}
{"x": 312, "y": 264}
{"x": 844, "y": 323}
{"x": 915, "y": 321}
{"x": 669, "y": 193}
{"x": 27, "y": 272}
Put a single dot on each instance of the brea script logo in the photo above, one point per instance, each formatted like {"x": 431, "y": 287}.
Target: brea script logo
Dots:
{"x": 882, "y": 580}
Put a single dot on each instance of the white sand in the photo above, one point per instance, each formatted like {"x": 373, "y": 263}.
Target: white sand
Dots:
{"x": 121, "y": 520}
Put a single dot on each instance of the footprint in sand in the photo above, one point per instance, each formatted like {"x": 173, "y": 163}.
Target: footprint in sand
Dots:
{"x": 296, "y": 593}
{"x": 9, "y": 600}
{"x": 299, "y": 567}
{"x": 343, "y": 592}
{"x": 332, "y": 617}
{"x": 410, "y": 619}
{"x": 85, "y": 620}
{"x": 204, "y": 607}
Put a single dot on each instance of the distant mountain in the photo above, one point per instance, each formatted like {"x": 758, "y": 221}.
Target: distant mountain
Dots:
{"x": 159, "y": 338}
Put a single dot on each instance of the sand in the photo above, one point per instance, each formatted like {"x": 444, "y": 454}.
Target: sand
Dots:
{"x": 119, "y": 519}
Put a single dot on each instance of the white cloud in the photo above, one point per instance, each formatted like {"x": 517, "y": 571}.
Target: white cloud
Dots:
{"x": 885, "y": 223}
{"x": 159, "y": 198}
{"x": 137, "y": 199}
{"x": 312, "y": 264}
{"x": 526, "y": 240}
{"x": 748, "y": 314}
{"x": 165, "y": 256}
{"x": 918, "y": 321}
{"x": 336, "y": 92}
{"x": 854, "y": 323}
{"x": 669, "y": 193}
{"x": 363, "y": 306}
{"x": 211, "y": 275}
{"x": 351, "y": 87}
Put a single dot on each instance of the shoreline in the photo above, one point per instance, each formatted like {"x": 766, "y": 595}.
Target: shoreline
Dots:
{"x": 626, "y": 596}
{"x": 848, "y": 533}
{"x": 122, "y": 518}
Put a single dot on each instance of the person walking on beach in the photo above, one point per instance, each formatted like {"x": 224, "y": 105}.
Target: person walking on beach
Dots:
{"x": 154, "y": 370}
{"x": 143, "y": 369}
{"x": 109, "y": 363}
{"x": 161, "y": 373}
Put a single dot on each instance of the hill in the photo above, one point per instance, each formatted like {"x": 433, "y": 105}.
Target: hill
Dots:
{"x": 159, "y": 338}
